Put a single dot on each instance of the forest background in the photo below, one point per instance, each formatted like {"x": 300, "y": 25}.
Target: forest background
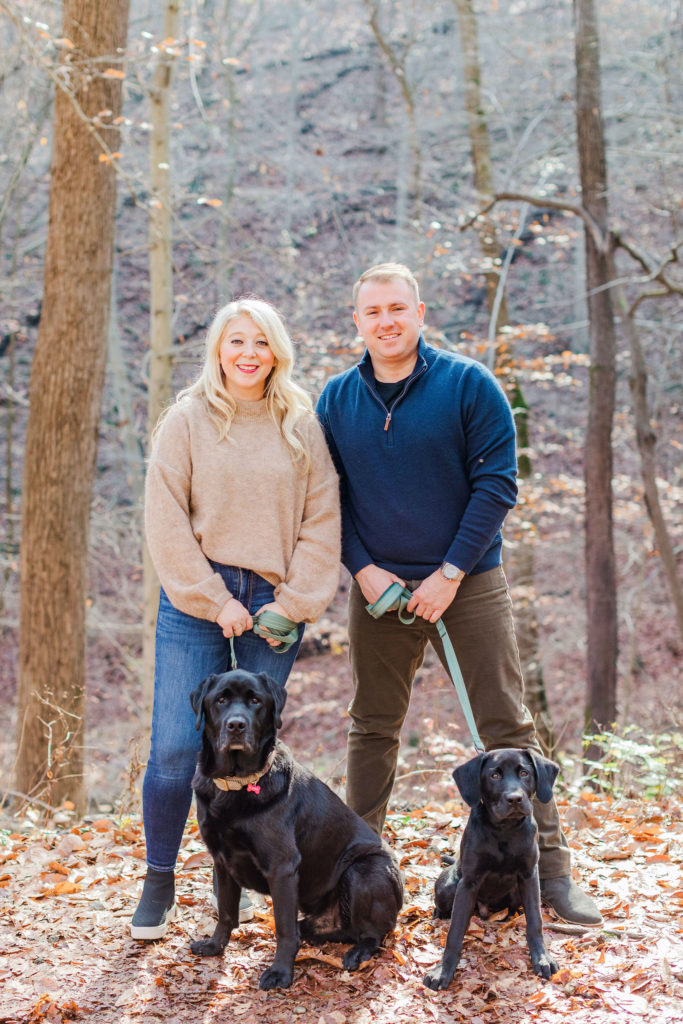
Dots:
{"x": 305, "y": 142}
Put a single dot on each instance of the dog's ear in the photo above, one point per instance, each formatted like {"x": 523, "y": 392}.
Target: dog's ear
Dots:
{"x": 278, "y": 693}
{"x": 546, "y": 773}
{"x": 467, "y": 778}
{"x": 197, "y": 698}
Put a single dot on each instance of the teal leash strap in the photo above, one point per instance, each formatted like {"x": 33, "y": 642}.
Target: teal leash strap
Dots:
{"x": 395, "y": 598}
{"x": 459, "y": 684}
{"x": 272, "y": 626}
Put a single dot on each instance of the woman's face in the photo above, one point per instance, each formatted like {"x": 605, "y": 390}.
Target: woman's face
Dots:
{"x": 246, "y": 359}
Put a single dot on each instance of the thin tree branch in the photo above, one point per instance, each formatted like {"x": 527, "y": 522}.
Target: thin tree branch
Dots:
{"x": 601, "y": 241}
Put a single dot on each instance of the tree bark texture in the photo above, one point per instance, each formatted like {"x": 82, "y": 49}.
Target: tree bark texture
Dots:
{"x": 67, "y": 379}
{"x": 646, "y": 440}
{"x": 481, "y": 152}
{"x": 160, "y": 302}
{"x": 599, "y": 551}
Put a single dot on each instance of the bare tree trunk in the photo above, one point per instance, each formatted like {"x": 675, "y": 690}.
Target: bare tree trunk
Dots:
{"x": 646, "y": 440}
{"x": 160, "y": 304}
{"x": 601, "y": 591}
{"x": 481, "y": 153}
{"x": 66, "y": 387}
{"x": 397, "y": 62}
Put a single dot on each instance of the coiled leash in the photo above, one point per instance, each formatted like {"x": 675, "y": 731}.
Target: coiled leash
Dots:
{"x": 271, "y": 626}
{"x": 396, "y": 598}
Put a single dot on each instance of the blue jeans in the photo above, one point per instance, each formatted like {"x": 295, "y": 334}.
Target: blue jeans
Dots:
{"x": 187, "y": 651}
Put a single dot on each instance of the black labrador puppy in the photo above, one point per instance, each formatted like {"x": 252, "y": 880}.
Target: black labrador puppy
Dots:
{"x": 272, "y": 826}
{"x": 498, "y": 865}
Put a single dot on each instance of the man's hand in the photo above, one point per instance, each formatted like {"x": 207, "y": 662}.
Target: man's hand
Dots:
{"x": 433, "y": 596}
{"x": 234, "y": 618}
{"x": 373, "y": 581}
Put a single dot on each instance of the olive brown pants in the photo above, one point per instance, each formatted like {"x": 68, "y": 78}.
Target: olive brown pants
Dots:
{"x": 385, "y": 654}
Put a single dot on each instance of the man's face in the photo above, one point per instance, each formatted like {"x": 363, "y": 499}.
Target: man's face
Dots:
{"x": 389, "y": 321}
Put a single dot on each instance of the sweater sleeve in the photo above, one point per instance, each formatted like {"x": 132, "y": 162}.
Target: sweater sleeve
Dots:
{"x": 184, "y": 571}
{"x": 313, "y": 572}
{"x": 354, "y": 554}
{"x": 491, "y": 469}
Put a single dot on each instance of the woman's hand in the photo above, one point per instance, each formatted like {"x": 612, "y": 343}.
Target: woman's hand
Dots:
{"x": 273, "y": 606}
{"x": 234, "y": 618}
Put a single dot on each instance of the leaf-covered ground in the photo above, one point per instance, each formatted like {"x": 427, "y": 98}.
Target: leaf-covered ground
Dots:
{"x": 67, "y": 894}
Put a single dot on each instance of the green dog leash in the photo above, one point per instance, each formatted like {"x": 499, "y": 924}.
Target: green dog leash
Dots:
{"x": 396, "y": 598}
{"x": 271, "y": 626}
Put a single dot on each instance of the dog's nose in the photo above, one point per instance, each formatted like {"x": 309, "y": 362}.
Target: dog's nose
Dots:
{"x": 514, "y": 799}
{"x": 235, "y": 725}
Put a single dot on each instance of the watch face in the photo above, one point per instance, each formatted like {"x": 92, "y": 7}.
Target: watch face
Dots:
{"x": 451, "y": 572}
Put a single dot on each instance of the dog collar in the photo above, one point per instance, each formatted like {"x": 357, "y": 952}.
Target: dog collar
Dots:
{"x": 234, "y": 782}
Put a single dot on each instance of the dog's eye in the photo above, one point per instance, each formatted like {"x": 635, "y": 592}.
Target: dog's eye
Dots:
{"x": 496, "y": 775}
{"x": 222, "y": 699}
{"x": 523, "y": 773}
{"x": 254, "y": 700}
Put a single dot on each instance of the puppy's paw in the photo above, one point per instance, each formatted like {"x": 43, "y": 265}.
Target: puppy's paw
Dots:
{"x": 276, "y": 977}
{"x": 207, "y": 947}
{"x": 438, "y": 978}
{"x": 545, "y": 966}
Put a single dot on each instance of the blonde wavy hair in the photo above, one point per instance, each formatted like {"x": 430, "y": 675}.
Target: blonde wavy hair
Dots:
{"x": 286, "y": 401}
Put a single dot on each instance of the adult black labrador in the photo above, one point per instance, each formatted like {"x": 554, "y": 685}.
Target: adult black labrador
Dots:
{"x": 273, "y": 827}
{"x": 498, "y": 864}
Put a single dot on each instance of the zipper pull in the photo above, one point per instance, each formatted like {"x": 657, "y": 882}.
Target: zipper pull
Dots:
{"x": 387, "y": 421}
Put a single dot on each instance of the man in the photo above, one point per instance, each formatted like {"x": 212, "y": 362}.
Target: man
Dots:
{"x": 424, "y": 443}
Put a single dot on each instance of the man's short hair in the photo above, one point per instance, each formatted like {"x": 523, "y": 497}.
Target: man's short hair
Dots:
{"x": 387, "y": 272}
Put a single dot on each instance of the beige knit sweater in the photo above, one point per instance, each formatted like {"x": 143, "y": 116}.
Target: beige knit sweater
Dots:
{"x": 243, "y": 502}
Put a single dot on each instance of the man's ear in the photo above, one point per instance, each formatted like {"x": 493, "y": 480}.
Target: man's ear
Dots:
{"x": 467, "y": 778}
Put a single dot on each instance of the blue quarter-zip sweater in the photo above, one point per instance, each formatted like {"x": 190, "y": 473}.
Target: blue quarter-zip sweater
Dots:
{"x": 432, "y": 480}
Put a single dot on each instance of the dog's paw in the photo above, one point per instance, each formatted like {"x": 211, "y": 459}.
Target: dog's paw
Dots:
{"x": 545, "y": 966}
{"x": 438, "y": 979}
{"x": 207, "y": 947}
{"x": 276, "y": 977}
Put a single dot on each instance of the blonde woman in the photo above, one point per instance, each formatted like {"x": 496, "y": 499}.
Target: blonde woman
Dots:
{"x": 241, "y": 516}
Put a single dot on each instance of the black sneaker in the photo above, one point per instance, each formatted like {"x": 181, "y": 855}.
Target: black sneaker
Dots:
{"x": 157, "y": 906}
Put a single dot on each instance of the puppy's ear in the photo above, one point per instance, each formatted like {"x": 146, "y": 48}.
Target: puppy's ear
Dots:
{"x": 279, "y": 695}
{"x": 467, "y": 778}
{"x": 197, "y": 699}
{"x": 546, "y": 773}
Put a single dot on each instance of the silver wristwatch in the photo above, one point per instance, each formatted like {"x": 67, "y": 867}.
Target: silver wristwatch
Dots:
{"x": 451, "y": 572}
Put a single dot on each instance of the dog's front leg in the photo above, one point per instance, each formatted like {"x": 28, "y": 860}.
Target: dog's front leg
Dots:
{"x": 541, "y": 961}
{"x": 228, "y": 892}
{"x": 284, "y": 889}
{"x": 463, "y": 907}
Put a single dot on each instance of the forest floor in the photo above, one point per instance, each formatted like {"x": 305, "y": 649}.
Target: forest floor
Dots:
{"x": 68, "y": 888}
{"x": 68, "y": 892}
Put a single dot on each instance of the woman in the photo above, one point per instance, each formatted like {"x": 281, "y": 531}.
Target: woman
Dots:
{"x": 241, "y": 516}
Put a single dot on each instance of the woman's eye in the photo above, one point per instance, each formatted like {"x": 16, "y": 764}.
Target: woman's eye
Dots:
{"x": 263, "y": 343}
